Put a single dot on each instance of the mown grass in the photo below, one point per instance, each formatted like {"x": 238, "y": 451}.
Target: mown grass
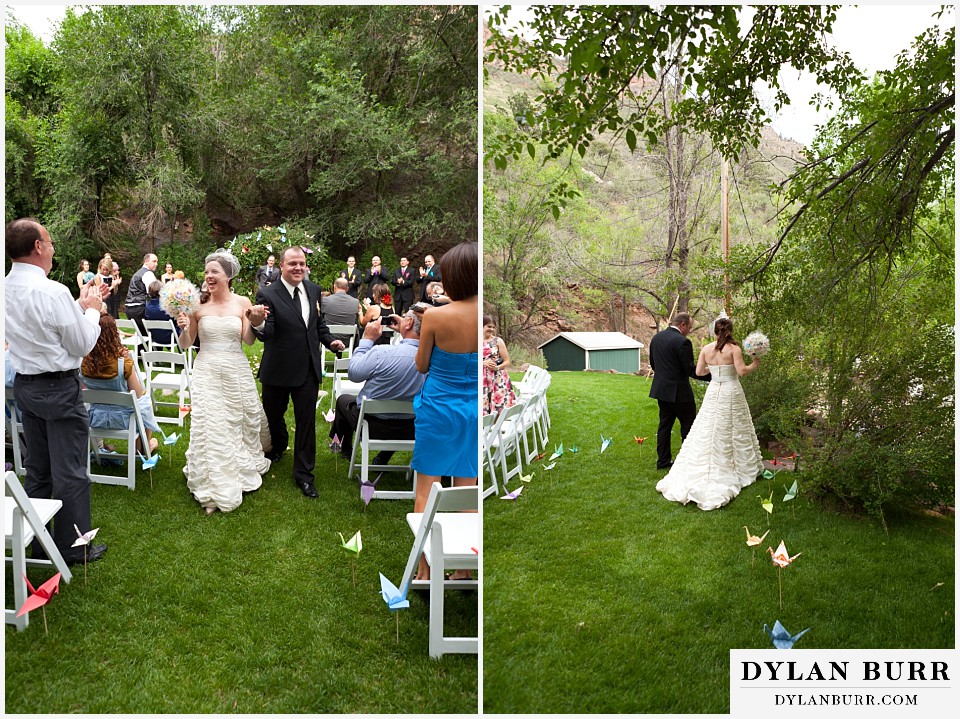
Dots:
{"x": 601, "y": 596}
{"x": 251, "y": 611}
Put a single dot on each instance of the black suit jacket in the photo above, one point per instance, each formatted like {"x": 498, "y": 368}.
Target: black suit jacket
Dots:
{"x": 267, "y": 274}
{"x": 291, "y": 347}
{"x": 352, "y": 276}
{"x": 671, "y": 358}
{"x": 377, "y": 278}
{"x": 433, "y": 275}
{"x": 403, "y": 284}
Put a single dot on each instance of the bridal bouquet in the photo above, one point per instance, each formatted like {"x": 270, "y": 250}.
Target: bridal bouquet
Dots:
{"x": 756, "y": 344}
{"x": 179, "y": 296}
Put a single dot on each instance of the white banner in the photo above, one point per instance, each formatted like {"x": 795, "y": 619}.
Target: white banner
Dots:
{"x": 858, "y": 682}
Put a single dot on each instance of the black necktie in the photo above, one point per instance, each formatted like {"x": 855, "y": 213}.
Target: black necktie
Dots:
{"x": 296, "y": 295}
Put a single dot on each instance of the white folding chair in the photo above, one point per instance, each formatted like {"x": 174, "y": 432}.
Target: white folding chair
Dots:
{"x": 506, "y": 442}
{"x": 14, "y": 429}
{"x": 526, "y": 384}
{"x": 329, "y": 355}
{"x": 364, "y": 443}
{"x": 449, "y": 538}
{"x": 135, "y": 430}
{"x": 130, "y": 336}
{"x": 153, "y": 345}
{"x": 489, "y": 423}
{"x": 341, "y": 382}
{"x": 168, "y": 371}
{"x": 527, "y": 427}
{"x": 23, "y": 519}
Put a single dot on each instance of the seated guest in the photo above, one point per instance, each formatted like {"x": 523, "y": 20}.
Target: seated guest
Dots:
{"x": 434, "y": 296}
{"x": 340, "y": 308}
{"x": 380, "y": 306}
{"x": 388, "y": 372}
{"x": 155, "y": 312}
{"x": 100, "y": 370}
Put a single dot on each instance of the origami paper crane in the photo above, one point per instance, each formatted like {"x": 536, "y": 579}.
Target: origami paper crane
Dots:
{"x": 355, "y": 544}
{"x": 394, "y": 599}
{"x": 84, "y": 538}
{"x": 335, "y": 443}
{"x": 367, "y": 488}
{"x": 282, "y": 230}
{"x": 149, "y": 463}
{"x": 550, "y": 466}
{"x": 753, "y": 540}
{"x": 306, "y": 250}
{"x": 170, "y": 438}
{"x": 574, "y": 448}
{"x": 767, "y": 503}
{"x": 558, "y": 451}
{"x": 605, "y": 442}
{"x": 269, "y": 247}
{"x": 330, "y": 415}
{"x": 514, "y": 494}
{"x": 781, "y": 557}
{"x": 767, "y": 474}
{"x": 541, "y": 456}
{"x": 791, "y": 493}
{"x": 526, "y": 477}
{"x": 639, "y": 440}
{"x": 782, "y": 639}
{"x": 39, "y": 597}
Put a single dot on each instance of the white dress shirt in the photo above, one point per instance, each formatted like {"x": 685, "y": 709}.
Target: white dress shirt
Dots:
{"x": 46, "y": 328}
{"x": 304, "y": 306}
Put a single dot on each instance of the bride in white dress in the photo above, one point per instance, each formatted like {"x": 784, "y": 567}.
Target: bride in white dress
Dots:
{"x": 721, "y": 454}
{"x": 225, "y": 457}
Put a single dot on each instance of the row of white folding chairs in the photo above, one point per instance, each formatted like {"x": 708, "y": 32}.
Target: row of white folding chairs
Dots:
{"x": 519, "y": 432}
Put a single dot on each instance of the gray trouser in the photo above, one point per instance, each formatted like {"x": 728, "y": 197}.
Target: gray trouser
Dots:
{"x": 56, "y": 438}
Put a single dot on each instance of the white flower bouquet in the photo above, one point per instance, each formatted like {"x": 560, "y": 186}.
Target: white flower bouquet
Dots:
{"x": 756, "y": 344}
{"x": 179, "y": 296}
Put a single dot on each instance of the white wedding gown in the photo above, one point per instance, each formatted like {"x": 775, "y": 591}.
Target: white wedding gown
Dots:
{"x": 721, "y": 454}
{"x": 225, "y": 456}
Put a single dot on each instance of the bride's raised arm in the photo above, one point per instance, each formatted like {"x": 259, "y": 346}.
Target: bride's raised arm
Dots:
{"x": 743, "y": 369}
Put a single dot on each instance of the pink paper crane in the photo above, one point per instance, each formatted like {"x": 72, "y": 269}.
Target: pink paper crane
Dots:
{"x": 782, "y": 559}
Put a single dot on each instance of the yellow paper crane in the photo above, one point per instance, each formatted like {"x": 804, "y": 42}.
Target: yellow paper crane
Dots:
{"x": 752, "y": 541}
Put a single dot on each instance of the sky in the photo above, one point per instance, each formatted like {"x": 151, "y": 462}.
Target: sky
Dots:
{"x": 873, "y": 34}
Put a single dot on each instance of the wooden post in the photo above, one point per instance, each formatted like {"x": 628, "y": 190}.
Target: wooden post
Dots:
{"x": 725, "y": 230}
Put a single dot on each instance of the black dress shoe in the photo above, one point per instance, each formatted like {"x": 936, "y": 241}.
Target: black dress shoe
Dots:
{"x": 274, "y": 456}
{"x": 666, "y": 466}
{"x": 93, "y": 554}
{"x": 308, "y": 489}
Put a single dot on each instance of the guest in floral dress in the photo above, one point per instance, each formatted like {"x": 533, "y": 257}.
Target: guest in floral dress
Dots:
{"x": 497, "y": 390}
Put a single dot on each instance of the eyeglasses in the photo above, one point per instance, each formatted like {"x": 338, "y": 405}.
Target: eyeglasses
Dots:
{"x": 49, "y": 242}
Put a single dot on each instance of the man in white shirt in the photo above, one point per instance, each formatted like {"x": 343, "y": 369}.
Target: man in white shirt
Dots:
{"x": 49, "y": 333}
{"x": 135, "y": 306}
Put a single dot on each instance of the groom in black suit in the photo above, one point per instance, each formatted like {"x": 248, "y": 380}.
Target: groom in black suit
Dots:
{"x": 671, "y": 359}
{"x": 291, "y": 364}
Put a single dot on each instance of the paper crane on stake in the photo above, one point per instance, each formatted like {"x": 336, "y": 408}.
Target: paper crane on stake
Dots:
{"x": 40, "y": 597}
{"x": 548, "y": 467}
{"x": 514, "y": 494}
{"x": 791, "y": 494}
{"x": 557, "y": 452}
{"x": 355, "y": 545}
{"x": 604, "y": 443}
{"x": 367, "y": 490}
{"x": 782, "y": 559}
{"x": 767, "y": 505}
{"x": 526, "y": 477}
{"x": 752, "y": 541}
{"x": 782, "y": 639}
{"x": 84, "y": 539}
{"x": 574, "y": 448}
{"x": 394, "y": 599}
{"x": 170, "y": 439}
{"x": 149, "y": 464}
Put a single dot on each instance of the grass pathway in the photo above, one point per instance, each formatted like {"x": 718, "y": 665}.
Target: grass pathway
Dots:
{"x": 601, "y": 596}
{"x": 253, "y": 611}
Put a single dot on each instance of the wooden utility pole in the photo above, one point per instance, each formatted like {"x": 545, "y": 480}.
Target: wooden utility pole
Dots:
{"x": 725, "y": 231}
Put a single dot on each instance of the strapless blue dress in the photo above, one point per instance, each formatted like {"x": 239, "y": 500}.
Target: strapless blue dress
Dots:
{"x": 447, "y": 416}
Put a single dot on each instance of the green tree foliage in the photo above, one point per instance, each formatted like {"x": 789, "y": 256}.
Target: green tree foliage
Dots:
{"x": 863, "y": 292}
{"x": 609, "y": 63}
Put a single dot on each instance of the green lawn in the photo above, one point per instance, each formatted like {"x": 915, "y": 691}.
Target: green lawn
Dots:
{"x": 601, "y": 596}
{"x": 247, "y": 612}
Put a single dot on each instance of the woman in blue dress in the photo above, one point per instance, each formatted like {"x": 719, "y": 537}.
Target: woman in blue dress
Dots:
{"x": 446, "y": 408}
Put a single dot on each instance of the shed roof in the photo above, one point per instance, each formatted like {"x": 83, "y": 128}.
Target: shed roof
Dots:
{"x": 597, "y": 340}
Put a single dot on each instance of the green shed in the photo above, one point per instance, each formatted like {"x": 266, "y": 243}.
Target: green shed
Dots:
{"x": 592, "y": 350}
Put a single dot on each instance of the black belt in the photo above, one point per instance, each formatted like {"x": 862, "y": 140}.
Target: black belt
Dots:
{"x": 48, "y": 375}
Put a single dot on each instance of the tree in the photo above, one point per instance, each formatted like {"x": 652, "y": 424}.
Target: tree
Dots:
{"x": 610, "y": 66}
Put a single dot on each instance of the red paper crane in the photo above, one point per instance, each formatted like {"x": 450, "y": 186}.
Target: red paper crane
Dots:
{"x": 39, "y": 597}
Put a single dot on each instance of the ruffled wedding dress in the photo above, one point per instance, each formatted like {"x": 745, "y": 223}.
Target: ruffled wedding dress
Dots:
{"x": 225, "y": 456}
{"x": 721, "y": 454}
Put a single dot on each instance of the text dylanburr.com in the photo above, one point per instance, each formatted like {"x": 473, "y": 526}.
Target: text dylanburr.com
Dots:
{"x": 820, "y": 682}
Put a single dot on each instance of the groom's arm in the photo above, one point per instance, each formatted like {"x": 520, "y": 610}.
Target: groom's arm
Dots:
{"x": 688, "y": 365}
{"x": 265, "y": 331}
